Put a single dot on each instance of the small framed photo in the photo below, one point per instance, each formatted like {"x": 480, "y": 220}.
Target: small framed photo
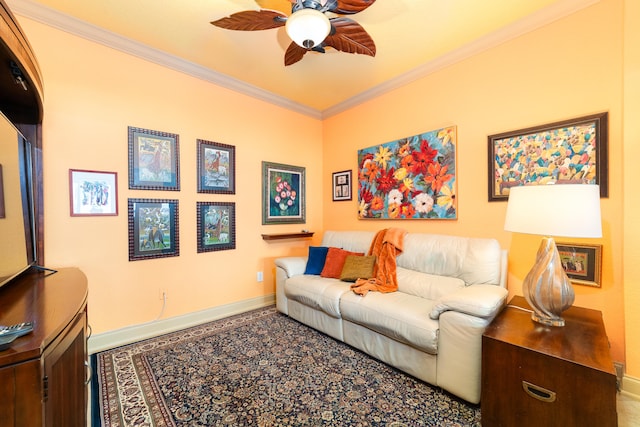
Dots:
{"x": 283, "y": 194}
{"x": 582, "y": 263}
{"x": 216, "y": 223}
{"x": 216, "y": 168}
{"x": 153, "y": 229}
{"x": 154, "y": 159}
{"x": 342, "y": 185}
{"x": 572, "y": 151}
{"x": 93, "y": 193}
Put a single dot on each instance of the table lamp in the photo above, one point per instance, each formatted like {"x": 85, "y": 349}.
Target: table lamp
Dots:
{"x": 567, "y": 210}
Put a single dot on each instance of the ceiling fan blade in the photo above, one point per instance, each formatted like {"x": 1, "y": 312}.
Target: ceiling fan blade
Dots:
{"x": 283, "y": 6}
{"x": 349, "y": 36}
{"x": 293, "y": 54}
{"x": 349, "y": 7}
{"x": 252, "y": 20}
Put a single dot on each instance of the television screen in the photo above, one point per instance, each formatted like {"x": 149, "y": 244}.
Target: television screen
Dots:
{"x": 17, "y": 246}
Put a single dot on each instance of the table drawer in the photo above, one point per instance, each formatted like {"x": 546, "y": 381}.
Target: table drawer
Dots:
{"x": 530, "y": 388}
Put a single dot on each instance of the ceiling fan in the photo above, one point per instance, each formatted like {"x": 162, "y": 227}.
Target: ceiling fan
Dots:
{"x": 308, "y": 25}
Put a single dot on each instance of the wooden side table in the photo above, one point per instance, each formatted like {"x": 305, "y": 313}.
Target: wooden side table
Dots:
{"x": 536, "y": 375}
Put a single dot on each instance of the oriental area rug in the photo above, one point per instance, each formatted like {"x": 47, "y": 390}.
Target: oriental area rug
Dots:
{"x": 261, "y": 368}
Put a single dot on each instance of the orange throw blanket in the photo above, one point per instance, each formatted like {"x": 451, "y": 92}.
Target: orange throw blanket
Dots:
{"x": 386, "y": 245}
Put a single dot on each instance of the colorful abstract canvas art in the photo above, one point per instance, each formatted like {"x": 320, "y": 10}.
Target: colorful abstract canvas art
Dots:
{"x": 410, "y": 178}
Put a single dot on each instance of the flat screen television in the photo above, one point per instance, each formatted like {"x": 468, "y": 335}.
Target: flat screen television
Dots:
{"x": 17, "y": 214}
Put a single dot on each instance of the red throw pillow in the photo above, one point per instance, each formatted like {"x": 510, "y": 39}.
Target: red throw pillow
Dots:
{"x": 335, "y": 261}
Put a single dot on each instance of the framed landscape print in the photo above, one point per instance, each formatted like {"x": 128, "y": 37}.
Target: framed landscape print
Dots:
{"x": 283, "y": 194}
{"x": 153, "y": 229}
{"x": 582, "y": 263}
{"x": 410, "y": 178}
{"x": 154, "y": 160}
{"x": 568, "y": 152}
{"x": 341, "y": 182}
{"x": 216, "y": 167}
{"x": 216, "y": 226}
{"x": 93, "y": 193}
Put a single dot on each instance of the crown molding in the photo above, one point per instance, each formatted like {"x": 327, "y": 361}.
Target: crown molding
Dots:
{"x": 45, "y": 15}
{"x": 61, "y": 21}
{"x": 525, "y": 25}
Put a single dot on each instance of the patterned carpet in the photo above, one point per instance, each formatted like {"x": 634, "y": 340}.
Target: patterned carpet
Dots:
{"x": 262, "y": 368}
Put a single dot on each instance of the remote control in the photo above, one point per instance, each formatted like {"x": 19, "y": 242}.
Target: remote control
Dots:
{"x": 17, "y": 330}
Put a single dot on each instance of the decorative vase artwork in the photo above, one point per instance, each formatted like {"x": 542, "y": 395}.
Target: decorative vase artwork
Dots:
{"x": 283, "y": 198}
{"x": 410, "y": 178}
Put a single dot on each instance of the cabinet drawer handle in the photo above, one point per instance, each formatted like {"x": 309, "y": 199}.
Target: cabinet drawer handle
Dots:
{"x": 89, "y": 374}
{"x": 538, "y": 392}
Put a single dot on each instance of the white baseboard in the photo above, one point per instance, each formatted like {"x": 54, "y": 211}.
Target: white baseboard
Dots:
{"x": 631, "y": 386}
{"x": 130, "y": 334}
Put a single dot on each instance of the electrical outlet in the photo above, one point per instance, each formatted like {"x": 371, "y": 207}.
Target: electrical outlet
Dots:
{"x": 259, "y": 276}
{"x": 162, "y": 294}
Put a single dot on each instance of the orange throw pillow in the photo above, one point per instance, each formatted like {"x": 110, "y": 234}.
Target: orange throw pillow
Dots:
{"x": 335, "y": 261}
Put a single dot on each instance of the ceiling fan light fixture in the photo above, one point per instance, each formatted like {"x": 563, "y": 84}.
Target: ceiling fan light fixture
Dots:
{"x": 308, "y": 27}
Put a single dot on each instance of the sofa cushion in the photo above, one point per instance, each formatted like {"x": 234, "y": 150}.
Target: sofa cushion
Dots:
{"x": 335, "y": 261}
{"x": 357, "y": 267}
{"x": 473, "y": 260}
{"x": 354, "y": 241}
{"x": 315, "y": 261}
{"x": 317, "y": 292}
{"x": 397, "y": 315}
{"x": 426, "y": 285}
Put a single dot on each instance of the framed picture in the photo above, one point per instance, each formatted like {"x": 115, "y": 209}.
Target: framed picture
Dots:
{"x": 153, "y": 229}
{"x": 410, "y": 178}
{"x": 216, "y": 226}
{"x": 582, "y": 263}
{"x": 341, "y": 185}
{"x": 282, "y": 194}
{"x": 216, "y": 167}
{"x": 568, "y": 152}
{"x": 154, "y": 159}
{"x": 93, "y": 193}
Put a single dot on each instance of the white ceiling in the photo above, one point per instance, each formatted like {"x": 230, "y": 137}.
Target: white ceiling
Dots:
{"x": 413, "y": 38}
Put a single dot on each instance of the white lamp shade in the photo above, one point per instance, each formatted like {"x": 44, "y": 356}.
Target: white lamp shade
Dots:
{"x": 308, "y": 27}
{"x": 566, "y": 210}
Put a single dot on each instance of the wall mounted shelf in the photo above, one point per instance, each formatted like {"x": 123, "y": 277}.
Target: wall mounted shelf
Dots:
{"x": 280, "y": 236}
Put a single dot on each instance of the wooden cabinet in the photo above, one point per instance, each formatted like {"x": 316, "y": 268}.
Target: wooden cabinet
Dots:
{"x": 43, "y": 374}
{"x": 535, "y": 375}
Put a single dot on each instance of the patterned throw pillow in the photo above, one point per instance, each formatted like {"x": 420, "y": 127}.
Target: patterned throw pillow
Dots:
{"x": 335, "y": 261}
{"x": 357, "y": 267}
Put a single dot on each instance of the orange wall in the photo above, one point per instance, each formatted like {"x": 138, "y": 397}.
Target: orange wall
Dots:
{"x": 631, "y": 152}
{"x": 92, "y": 93}
{"x": 570, "y": 68}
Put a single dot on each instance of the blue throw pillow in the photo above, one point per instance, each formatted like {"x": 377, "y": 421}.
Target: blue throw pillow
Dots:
{"x": 315, "y": 262}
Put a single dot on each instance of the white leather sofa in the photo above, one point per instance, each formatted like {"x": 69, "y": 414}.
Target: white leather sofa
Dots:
{"x": 449, "y": 290}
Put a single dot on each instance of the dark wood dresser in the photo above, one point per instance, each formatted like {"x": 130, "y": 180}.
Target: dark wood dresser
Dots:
{"x": 43, "y": 375}
{"x": 535, "y": 375}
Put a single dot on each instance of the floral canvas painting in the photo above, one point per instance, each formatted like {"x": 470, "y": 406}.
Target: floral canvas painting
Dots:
{"x": 567, "y": 152}
{"x": 410, "y": 178}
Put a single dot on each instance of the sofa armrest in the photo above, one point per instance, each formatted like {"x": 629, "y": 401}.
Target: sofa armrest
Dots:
{"x": 287, "y": 267}
{"x": 483, "y": 301}
{"x": 293, "y": 266}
